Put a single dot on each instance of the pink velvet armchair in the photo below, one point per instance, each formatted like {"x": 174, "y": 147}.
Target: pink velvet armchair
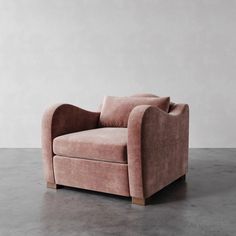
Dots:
{"x": 135, "y": 158}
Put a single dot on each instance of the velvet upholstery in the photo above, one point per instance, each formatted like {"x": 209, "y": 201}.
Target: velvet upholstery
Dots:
{"x": 115, "y": 110}
{"x": 157, "y": 148}
{"x": 145, "y": 95}
{"x": 100, "y": 176}
{"x": 58, "y": 120}
{"x": 149, "y": 95}
{"x": 136, "y": 161}
{"x": 104, "y": 144}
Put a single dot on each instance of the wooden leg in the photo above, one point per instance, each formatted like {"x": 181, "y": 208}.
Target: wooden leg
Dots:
{"x": 52, "y": 185}
{"x": 139, "y": 201}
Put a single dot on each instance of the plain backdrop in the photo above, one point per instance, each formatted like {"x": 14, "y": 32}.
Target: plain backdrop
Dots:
{"x": 77, "y": 51}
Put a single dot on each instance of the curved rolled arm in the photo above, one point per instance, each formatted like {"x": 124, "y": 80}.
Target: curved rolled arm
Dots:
{"x": 58, "y": 120}
{"x": 157, "y": 148}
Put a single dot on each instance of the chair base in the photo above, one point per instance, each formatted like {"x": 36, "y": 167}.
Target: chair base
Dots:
{"x": 143, "y": 201}
{"x": 52, "y": 185}
{"x": 135, "y": 201}
{"x": 139, "y": 201}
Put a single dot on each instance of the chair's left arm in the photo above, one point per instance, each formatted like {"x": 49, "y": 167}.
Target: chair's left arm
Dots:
{"x": 59, "y": 120}
{"x": 157, "y": 148}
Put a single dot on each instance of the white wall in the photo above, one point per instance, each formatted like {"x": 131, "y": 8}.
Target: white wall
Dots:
{"x": 77, "y": 51}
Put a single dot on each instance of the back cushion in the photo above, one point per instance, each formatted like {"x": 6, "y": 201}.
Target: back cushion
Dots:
{"x": 145, "y": 95}
{"x": 115, "y": 110}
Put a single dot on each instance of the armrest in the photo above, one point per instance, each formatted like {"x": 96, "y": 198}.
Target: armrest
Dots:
{"x": 157, "y": 148}
{"x": 58, "y": 120}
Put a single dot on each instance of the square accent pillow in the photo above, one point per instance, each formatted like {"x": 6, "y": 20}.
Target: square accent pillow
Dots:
{"x": 116, "y": 110}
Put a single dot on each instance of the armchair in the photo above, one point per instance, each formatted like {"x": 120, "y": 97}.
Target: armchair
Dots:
{"x": 134, "y": 161}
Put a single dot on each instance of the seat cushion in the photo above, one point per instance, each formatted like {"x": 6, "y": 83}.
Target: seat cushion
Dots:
{"x": 104, "y": 144}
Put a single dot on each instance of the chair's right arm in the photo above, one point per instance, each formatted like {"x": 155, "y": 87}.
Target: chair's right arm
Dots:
{"x": 157, "y": 148}
{"x": 59, "y": 120}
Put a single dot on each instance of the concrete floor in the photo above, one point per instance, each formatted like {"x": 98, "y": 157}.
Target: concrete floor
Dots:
{"x": 204, "y": 205}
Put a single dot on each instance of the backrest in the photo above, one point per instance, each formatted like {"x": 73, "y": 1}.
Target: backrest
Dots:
{"x": 135, "y": 95}
{"x": 115, "y": 110}
{"x": 152, "y": 95}
{"x": 143, "y": 95}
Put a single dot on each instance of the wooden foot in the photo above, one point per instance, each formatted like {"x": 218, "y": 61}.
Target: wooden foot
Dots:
{"x": 139, "y": 201}
{"x": 52, "y": 185}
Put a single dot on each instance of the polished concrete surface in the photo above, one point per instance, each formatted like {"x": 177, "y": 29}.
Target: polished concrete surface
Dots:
{"x": 204, "y": 205}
